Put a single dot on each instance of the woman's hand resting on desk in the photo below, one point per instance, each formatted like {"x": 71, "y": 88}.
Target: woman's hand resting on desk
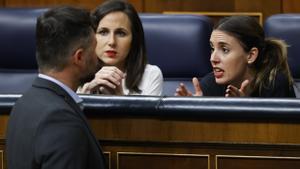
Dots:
{"x": 183, "y": 91}
{"x": 108, "y": 80}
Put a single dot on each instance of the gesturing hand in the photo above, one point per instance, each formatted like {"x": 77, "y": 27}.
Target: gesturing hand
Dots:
{"x": 233, "y": 91}
{"x": 183, "y": 91}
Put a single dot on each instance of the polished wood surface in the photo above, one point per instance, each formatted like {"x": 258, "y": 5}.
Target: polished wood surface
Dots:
{"x": 291, "y": 6}
{"x": 2, "y": 154}
{"x": 266, "y": 7}
{"x": 216, "y": 16}
{"x": 257, "y": 162}
{"x": 3, "y": 124}
{"x": 132, "y": 142}
{"x": 1, "y": 158}
{"x": 164, "y": 130}
{"x": 188, "y": 5}
{"x": 91, "y": 4}
{"x": 138, "y": 4}
{"x": 130, "y": 160}
{"x": 49, "y": 3}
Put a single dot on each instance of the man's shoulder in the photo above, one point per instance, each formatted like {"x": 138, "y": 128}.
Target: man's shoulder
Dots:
{"x": 40, "y": 99}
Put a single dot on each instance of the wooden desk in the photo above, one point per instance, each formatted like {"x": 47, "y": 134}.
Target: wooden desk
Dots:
{"x": 183, "y": 136}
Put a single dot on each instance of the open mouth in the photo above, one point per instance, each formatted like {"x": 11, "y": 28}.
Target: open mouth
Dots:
{"x": 218, "y": 72}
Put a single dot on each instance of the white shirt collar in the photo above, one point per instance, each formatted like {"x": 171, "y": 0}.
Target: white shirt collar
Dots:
{"x": 76, "y": 98}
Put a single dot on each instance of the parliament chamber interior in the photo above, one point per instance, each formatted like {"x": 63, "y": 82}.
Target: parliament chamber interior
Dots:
{"x": 155, "y": 132}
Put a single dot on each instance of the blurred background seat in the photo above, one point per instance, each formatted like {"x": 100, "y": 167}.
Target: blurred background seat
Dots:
{"x": 179, "y": 45}
{"x": 18, "y": 66}
{"x": 287, "y": 27}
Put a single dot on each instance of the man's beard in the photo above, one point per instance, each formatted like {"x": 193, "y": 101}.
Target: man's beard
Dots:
{"x": 89, "y": 77}
{"x": 91, "y": 73}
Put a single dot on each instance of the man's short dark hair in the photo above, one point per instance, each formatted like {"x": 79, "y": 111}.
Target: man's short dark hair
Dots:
{"x": 59, "y": 32}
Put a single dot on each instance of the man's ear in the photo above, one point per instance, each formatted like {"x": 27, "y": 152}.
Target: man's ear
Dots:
{"x": 78, "y": 57}
{"x": 252, "y": 55}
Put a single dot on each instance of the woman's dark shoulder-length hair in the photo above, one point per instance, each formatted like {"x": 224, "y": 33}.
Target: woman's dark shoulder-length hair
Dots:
{"x": 136, "y": 60}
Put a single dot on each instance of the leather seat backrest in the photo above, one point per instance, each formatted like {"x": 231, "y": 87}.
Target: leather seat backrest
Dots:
{"x": 179, "y": 45}
{"x": 287, "y": 28}
{"x": 18, "y": 65}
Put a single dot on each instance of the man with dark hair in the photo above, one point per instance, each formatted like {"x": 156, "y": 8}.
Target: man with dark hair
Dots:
{"x": 47, "y": 128}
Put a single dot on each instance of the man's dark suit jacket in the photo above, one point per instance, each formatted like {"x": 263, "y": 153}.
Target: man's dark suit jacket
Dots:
{"x": 47, "y": 130}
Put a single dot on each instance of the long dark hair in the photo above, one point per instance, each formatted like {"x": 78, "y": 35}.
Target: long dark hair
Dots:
{"x": 136, "y": 60}
{"x": 272, "y": 53}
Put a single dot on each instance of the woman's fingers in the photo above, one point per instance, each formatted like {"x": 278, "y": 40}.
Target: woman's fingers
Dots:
{"x": 197, "y": 87}
{"x": 233, "y": 91}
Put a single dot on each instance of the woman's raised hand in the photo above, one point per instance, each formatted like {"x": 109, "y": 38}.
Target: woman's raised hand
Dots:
{"x": 183, "y": 91}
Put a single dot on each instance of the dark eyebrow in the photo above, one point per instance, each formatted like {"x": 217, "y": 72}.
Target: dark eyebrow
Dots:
{"x": 220, "y": 43}
{"x": 223, "y": 43}
{"x": 101, "y": 28}
{"x": 122, "y": 29}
